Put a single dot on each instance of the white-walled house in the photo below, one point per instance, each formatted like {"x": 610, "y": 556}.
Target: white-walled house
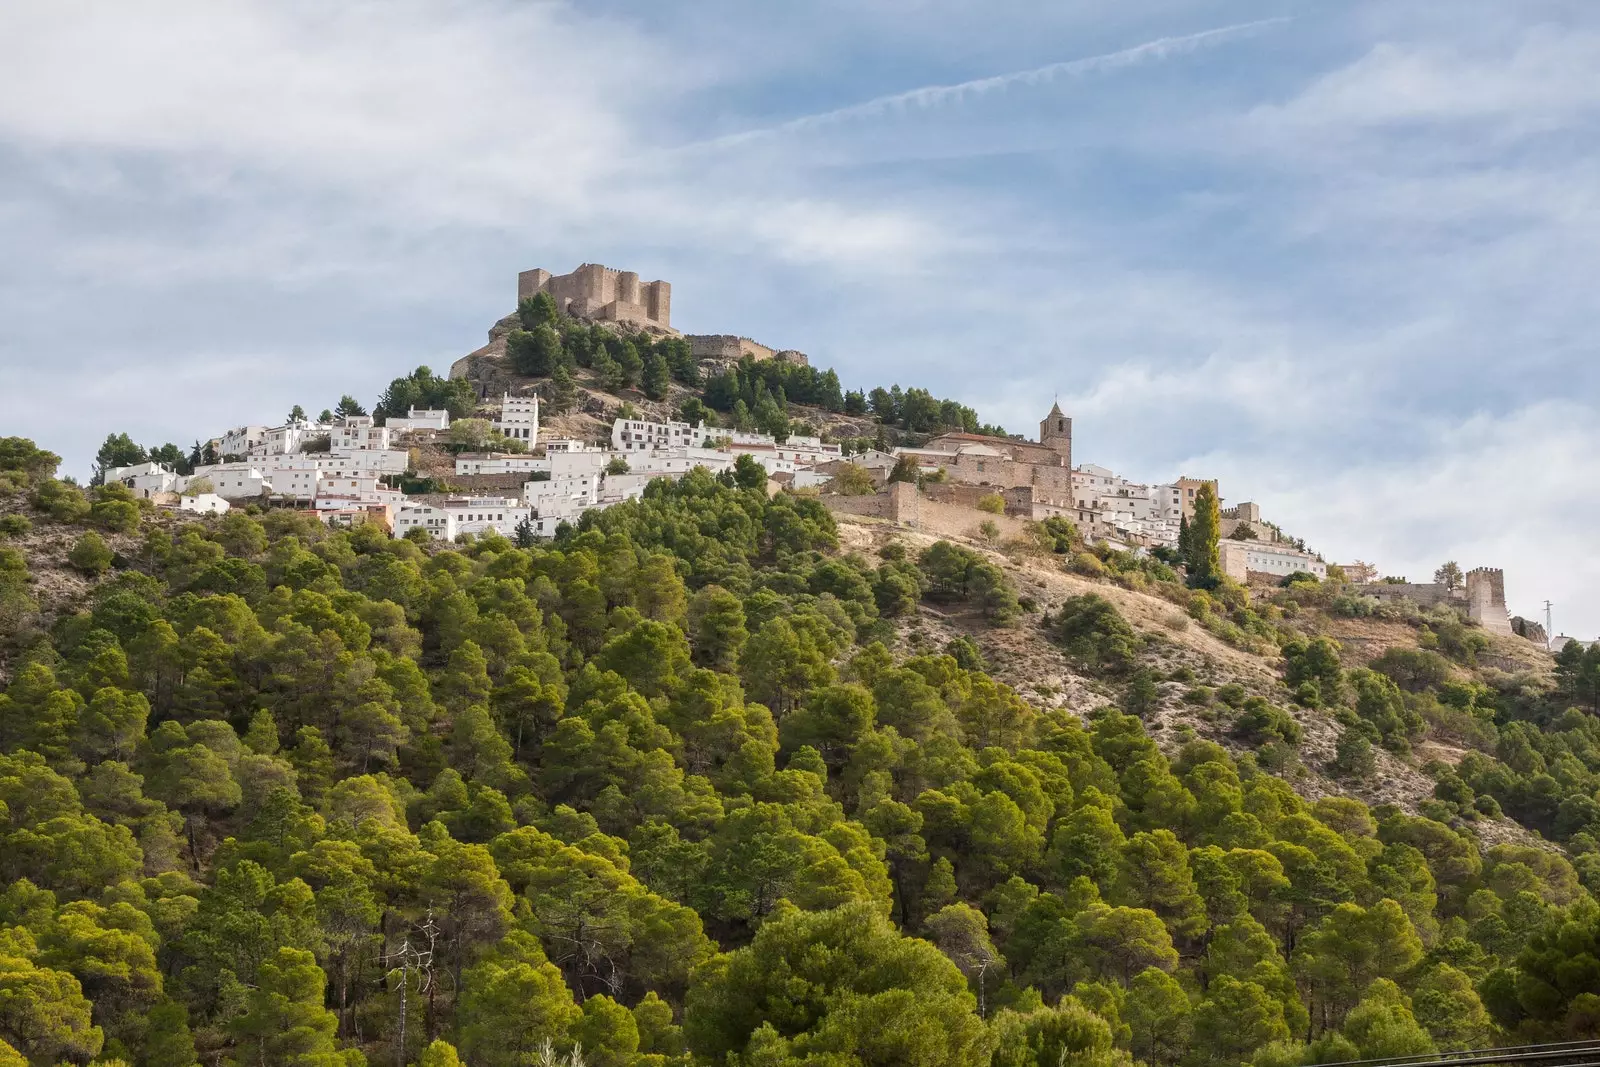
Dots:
{"x": 679, "y": 461}
{"x": 1239, "y": 559}
{"x": 289, "y": 439}
{"x": 236, "y": 481}
{"x": 565, "y": 494}
{"x": 241, "y": 440}
{"x": 415, "y": 515}
{"x": 419, "y": 419}
{"x": 519, "y": 418}
{"x": 356, "y": 434}
{"x": 368, "y": 461}
{"x": 639, "y": 435}
{"x": 459, "y": 515}
{"x": 204, "y": 504}
{"x": 500, "y": 463}
{"x": 567, "y": 445}
{"x": 338, "y": 493}
{"x": 766, "y": 455}
{"x": 807, "y": 451}
{"x": 481, "y": 515}
{"x": 146, "y": 480}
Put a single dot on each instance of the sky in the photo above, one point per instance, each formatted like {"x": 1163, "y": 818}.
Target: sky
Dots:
{"x": 1338, "y": 255}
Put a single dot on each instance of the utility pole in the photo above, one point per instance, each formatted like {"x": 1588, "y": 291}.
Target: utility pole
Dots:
{"x": 1549, "y": 629}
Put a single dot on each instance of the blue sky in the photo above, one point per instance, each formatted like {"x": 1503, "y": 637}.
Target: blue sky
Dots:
{"x": 1338, "y": 255}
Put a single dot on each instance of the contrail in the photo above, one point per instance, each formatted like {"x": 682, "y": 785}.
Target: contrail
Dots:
{"x": 934, "y": 95}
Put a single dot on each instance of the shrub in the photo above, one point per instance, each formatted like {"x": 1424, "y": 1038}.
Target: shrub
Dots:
{"x": 1413, "y": 669}
{"x": 1261, "y": 722}
{"x": 1232, "y": 694}
{"x": 853, "y": 480}
{"x": 63, "y": 501}
{"x": 1353, "y": 756}
{"x": 14, "y": 525}
{"x": 1092, "y": 631}
{"x": 1057, "y": 534}
{"x": 960, "y": 574}
{"x": 993, "y": 503}
{"x": 90, "y": 554}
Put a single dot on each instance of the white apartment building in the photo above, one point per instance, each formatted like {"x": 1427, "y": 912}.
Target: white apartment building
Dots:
{"x": 637, "y": 435}
{"x": 589, "y": 461}
{"x": 500, "y": 463}
{"x": 619, "y": 487}
{"x": 419, "y": 419}
{"x": 519, "y": 418}
{"x": 358, "y": 434}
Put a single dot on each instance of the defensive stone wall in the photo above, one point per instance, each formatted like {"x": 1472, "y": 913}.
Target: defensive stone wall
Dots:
{"x": 904, "y": 503}
{"x": 1429, "y": 595}
{"x": 727, "y": 347}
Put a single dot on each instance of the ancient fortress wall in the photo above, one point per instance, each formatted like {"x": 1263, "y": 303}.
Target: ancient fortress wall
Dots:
{"x": 730, "y": 348}
{"x": 1429, "y": 595}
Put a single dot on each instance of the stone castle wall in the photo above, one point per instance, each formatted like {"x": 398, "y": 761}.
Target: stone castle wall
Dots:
{"x": 1426, "y": 595}
{"x": 1483, "y": 599}
{"x": 731, "y": 348}
{"x": 905, "y": 504}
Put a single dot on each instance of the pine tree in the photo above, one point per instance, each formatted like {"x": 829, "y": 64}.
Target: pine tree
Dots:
{"x": 562, "y": 392}
{"x": 284, "y": 1023}
{"x": 656, "y": 377}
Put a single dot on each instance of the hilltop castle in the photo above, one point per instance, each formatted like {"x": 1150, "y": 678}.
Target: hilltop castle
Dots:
{"x": 601, "y": 293}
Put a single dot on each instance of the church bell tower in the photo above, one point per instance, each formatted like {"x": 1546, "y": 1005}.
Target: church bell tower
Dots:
{"x": 1055, "y": 432}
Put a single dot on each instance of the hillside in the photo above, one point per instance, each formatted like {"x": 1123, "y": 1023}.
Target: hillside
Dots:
{"x": 721, "y": 776}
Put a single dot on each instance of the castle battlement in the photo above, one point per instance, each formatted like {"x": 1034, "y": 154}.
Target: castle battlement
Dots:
{"x": 595, "y": 291}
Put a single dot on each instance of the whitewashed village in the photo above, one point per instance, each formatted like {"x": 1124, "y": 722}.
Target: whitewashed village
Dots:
{"x": 519, "y": 481}
{"x": 346, "y": 472}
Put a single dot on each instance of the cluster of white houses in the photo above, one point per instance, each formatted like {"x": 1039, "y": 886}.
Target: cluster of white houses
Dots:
{"x": 343, "y": 470}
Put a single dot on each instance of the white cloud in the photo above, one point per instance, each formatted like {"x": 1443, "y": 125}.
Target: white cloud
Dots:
{"x": 1539, "y": 79}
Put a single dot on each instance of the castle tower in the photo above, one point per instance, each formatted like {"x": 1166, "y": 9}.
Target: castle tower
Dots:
{"x": 1055, "y": 432}
{"x": 1486, "y": 600}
